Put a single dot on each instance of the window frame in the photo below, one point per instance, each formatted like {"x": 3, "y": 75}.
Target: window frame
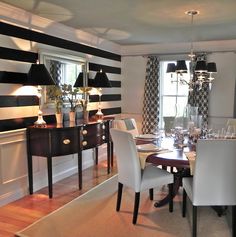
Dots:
{"x": 163, "y": 65}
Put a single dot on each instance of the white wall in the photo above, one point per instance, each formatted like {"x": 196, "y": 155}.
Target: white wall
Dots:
{"x": 133, "y": 83}
{"x": 221, "y": 100}
{"x": 132, "y": 87}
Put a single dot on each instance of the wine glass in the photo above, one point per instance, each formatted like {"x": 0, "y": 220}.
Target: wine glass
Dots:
{"x": 230, "y": 132}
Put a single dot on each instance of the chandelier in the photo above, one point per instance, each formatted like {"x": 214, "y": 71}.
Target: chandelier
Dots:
{"x": 200, "y": 71}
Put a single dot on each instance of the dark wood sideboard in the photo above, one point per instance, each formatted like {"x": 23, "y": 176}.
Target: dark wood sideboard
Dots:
{"x": 58, "y": 140}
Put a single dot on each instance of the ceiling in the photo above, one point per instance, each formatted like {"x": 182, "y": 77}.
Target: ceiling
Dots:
{"x": 133, "y": 22}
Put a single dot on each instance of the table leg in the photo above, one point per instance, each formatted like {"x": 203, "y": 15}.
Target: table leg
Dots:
{"x": 220, "y": 210}
{"x": 177, "y": 183}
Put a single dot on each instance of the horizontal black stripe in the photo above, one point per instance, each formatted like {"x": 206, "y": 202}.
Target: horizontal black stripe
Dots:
{"x": 107, "y": 97}
{"x": 13, "y": 77}
{"x": 19, "y": 100}
{"x": 25, "y": 56}
{"x": 108, "y": 69}
{"x": 20, "y": 78}
{"x": 18, "y": 55}
{"x": 12, "y": 124}
{"x": 18, "y": 123}
{"x": 116, "y": 110}
{"x": 19, "y": 32}
{"x": 116, "y": 83}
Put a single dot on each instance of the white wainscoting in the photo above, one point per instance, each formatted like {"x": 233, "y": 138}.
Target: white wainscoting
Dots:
{"x": 14, "y": 172}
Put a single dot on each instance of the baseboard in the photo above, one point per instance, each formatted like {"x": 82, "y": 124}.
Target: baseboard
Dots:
{"x": 41, "y": 180}
{"x": 13, "y": 196}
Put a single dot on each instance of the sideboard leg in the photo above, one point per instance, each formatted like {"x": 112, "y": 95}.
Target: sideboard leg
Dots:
{"x": 80, "y": 169}
{"x": 49, "y": 161}
{"x": 30, "y": 173}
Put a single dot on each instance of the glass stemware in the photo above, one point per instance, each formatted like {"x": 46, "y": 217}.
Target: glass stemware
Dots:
{"x": 230, "y": 132}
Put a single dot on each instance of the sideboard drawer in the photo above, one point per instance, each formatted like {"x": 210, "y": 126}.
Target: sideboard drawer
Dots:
{"x": 92, "y": 141}
{"x": 64, "y": 141}
{"x": 93, "y": 135}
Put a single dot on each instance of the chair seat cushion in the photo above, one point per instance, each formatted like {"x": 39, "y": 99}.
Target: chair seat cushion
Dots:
{"x": 153, "y": 176}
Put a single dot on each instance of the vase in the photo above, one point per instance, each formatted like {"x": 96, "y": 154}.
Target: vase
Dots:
{"x": 59, "y": 118}
{"x": 72, "y": 116}
{"x": 86, "y": 115}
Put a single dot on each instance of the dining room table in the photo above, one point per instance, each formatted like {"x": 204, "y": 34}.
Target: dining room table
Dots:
{"x": 178, "y": 158}
{"x": 174, "y": 157}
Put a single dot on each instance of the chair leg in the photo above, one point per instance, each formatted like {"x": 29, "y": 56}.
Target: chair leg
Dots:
{"x": 136, "y": 206}
{"x": 184, "y": 203}
{"x": 194, "y": 231}
{"x": 151, "y": 193}
{"x": 170, "y": 186}
{"x": 119, "y": 196}
{"x": 233, "y": 221}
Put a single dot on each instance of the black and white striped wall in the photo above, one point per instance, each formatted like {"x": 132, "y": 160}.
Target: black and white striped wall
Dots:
{"x": 18, "y": 49}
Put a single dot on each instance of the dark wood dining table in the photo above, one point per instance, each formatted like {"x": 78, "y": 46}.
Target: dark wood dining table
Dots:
{"x": 176, "y": 160}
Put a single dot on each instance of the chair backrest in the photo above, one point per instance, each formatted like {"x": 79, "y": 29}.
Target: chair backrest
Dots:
{"x": 215, "y": 173}
{"x": 126, "y": 124}
{"x": 128, "y": 164}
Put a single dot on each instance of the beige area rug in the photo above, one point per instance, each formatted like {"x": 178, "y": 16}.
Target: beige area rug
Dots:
{"x": 93, "y": 215}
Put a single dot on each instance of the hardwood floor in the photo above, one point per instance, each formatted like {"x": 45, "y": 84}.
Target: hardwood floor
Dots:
{"x": 21, "y": 213}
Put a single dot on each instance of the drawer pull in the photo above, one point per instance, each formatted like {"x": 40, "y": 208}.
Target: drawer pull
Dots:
{"x": 84, "y": 143}
{"x": 85, "y": 132}
{"x": 103, "y": 137}
{"x": 103, "y": 126}
{"x": 66, "y": 141}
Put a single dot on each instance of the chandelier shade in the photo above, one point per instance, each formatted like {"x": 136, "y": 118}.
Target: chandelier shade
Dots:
{"x": 211, "y": 67}
{"x": 170, "y": 68}
{"x": 200, "y": 71}
{"x": 181, "y": 66}
{"x": 201, "y": 66}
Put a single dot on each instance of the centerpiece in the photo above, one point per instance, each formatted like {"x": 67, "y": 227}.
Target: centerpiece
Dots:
{"x": 55, "y": 95}
{"x": 74, "y": 96}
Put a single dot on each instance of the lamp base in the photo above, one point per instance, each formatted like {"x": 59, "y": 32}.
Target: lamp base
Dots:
{"x": 99, "y": 115}
{"x": 40, "y": 122}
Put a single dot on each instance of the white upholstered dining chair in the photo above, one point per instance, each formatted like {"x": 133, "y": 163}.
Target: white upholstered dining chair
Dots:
{"x": 213, "y": 183}
{"x": 126, "y": 124}
{"x": 130, "y": 173}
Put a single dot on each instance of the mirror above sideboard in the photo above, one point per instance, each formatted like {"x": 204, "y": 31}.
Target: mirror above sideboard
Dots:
{"x": 64, "y": 68}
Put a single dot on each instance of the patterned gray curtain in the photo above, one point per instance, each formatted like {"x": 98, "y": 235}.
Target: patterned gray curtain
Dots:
{"x": 56, "y": 71}
{"x": 199, "y": 98}
{"x": 151, "y": 96}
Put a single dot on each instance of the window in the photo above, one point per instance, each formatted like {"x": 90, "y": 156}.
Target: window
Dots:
{"x": 71, "y": 72}
{"x": 173, "y": 95}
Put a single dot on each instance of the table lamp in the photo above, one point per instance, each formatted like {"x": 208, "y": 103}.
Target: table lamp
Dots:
{"x": 101, "y": 81}
{"x": 38, "y": 75}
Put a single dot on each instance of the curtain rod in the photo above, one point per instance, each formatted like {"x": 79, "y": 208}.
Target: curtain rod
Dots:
{"x": 180, "y": 53}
